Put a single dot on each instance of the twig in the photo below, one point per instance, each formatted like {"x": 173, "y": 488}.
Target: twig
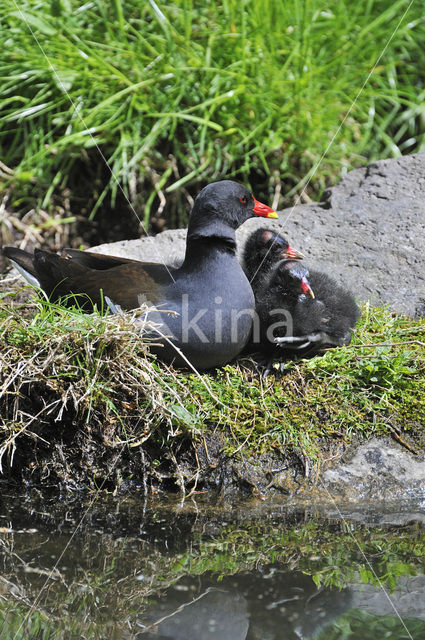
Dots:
{"x": 384, "y": 344}
{"x": 401, "y": 441}
{"x": 244, "y": 442}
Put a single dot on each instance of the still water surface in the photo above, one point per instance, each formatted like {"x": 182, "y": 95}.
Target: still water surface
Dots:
{"x": 110, "y": 568}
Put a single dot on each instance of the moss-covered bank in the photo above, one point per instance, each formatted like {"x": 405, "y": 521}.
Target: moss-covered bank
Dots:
{"x": 83, "y": 404}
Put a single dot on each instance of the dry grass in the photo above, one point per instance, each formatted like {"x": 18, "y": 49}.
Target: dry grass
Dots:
{"x": 83, "y": 385}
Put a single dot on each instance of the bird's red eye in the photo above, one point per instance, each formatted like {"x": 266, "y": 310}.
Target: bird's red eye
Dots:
{"x": 243, "y": 199}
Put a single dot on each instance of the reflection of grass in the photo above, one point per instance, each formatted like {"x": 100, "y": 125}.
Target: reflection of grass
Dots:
{"x": 80, "y": 394}
{"x": 331, "y": 556}
{"x": 13, "y": 623}
{"x": 176, "y": 89}
{"x": 103, "y": 584}
{"x": 357, "y": 624}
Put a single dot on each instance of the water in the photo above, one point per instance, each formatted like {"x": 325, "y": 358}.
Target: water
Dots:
{"x": 102, "y": 567}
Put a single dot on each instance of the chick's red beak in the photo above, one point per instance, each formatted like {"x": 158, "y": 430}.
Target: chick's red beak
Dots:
{"x": 305, "y": 286}
{"x": 292, "y": 254}
{"x": 264, "y": 210}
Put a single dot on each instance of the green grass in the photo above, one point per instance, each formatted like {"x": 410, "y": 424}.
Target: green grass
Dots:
{"x": 359, "y": 390}
{"x": 175, "y": 94}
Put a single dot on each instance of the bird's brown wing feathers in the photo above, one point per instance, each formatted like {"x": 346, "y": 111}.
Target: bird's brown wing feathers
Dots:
{"x": 22, "y": 258}
{"x": 128, "y": 284}
{"x": 98, "y": 261}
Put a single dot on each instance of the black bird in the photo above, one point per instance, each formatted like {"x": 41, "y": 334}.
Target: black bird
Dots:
{"x": 209, "y": 298}
{"x": 284, "y": 293}
{"x": 279, "y": 289}
{"x": 330, "y": 318}
{"x": 263, "y": 249}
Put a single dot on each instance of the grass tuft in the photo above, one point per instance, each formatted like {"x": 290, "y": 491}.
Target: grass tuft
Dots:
{"x": 172, "y": 94}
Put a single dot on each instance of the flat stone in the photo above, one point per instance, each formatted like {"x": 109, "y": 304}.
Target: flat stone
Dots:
{"x": 378, "y": 470}
{"x": 368, "y": 233}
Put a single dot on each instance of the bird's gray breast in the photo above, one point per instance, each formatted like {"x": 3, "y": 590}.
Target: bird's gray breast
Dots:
{"x": 211, "y": 317}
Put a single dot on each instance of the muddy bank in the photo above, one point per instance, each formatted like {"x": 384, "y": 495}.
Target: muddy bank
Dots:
{"x": 93, "y": 412}
{"x": 379, "y": 471}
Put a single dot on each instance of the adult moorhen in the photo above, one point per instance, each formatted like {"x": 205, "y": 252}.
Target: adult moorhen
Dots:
{"x": 209, "y": 298}
{"x": 291, "y": 316}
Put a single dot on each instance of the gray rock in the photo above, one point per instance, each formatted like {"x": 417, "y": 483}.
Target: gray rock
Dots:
{"x": 406, "y": 601}
{"x": 368, "y": 232}
{"x": 168, "y": 247}
{"x": 378, "y": 470}
{"x": 215, "y": 614}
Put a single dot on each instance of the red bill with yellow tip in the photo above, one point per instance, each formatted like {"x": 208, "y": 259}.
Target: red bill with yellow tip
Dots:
{"x": 264, "y": 210}
{"x": 292, "y": 254}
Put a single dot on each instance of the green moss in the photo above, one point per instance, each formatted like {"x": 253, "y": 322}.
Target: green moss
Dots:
{"x": 368, "y": 388}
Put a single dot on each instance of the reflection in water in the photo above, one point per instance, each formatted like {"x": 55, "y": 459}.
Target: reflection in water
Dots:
{"x": 251, "y": 572}
{"x": 267, "y": 603}
{"x": 212, "y": 614}
{"x": 271, "y": 604}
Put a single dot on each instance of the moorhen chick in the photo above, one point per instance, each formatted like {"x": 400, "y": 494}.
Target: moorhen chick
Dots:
{"x": 316, "y": 321}
{"x": 278, "y": 289}
{"x": 263, "y": 249}
{"x": 209, "y": 298}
